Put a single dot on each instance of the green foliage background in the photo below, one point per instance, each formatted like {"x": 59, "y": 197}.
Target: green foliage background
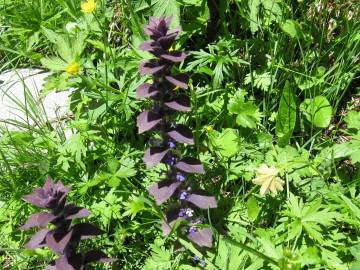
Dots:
{"x": 272, "y": 81}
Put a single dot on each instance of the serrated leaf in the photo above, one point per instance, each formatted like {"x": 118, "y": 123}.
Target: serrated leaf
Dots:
{"x": 167, "y": 8}
{"x": 54, "y": 63}
{"x": 248, "y": 114}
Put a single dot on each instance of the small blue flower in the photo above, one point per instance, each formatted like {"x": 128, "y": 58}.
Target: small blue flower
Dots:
{"x": 171, "y": 144}
{"x": 180, "y": 177}
{"x": 171, "y": 160}
{"x": 183, "y": 195}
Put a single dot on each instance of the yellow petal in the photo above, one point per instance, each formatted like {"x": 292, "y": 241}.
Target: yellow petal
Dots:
{"x": 264, "y": 189}
{"x": 88, "y": 6}
{"x": 259, "y": 180}
{"x": 73, "y": 68}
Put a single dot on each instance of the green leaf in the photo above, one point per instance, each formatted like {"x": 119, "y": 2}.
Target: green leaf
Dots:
{"x": 318, "y": 111}
{"x": 253, "y": 208}
{"x": 292, "y": 28}
{"x": 160, "y": 258}
{"x": 352, "y": 119}
{"x": 248, "y": 114}
{"x": 226, "y": 142}
{"x": 134, "y": 206}
{"x": 54, "y": 63}
{"x": 167, "y": 8}
{"x": 127, "y": 168}
{"x": 286, "y": 116}
{"x": 254, "y": 7}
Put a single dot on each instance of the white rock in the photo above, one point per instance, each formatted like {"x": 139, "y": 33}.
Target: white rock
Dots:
{"x": 16, "y": 86}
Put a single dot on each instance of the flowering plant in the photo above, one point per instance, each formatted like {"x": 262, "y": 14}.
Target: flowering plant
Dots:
{"x": 161, "y": 118}
{"x": 64, "y": 237}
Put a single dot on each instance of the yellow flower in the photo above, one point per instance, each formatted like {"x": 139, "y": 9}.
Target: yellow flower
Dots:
{"x": 267, "y": 178}
{"x": 210, "y": 128}
{"x": 73, "y": 68}
{"x": 89, "y": 6}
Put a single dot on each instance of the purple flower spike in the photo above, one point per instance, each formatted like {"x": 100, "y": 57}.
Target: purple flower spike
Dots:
{"x": 169, "y": 99}
{"x": 64, "y": 237}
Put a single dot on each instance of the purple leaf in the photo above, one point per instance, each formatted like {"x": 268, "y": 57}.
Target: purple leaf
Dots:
{"x": 96, "y": 256}
{"x": 71, "y": 212}
{"x": 168, "y": 21}
{"x": 202, "y": 200}
{"x": 38, "y": 239}
{"x": 181, "y": 134}
{"x": 163, "y": 190}
{"x": 147, "y": 46}
{"x": 157, "y": 27}
{"x": 146, "y": 90}
{"x": 202, "y": 237}
{"x": 150, "y": 67}
{"x": 171, "y": 218}
{"x": 147, "y": 120}
{"x": 51, "y": 266}
{"x": 180, "y": 103}
{"x": 152, "y": 47}
{"x": 190, "y": 165}
{"x": 165, "y": 228}
{"x": 180, "y": 80}
{"x": 63, "y": 264}
{"x": 58, "y": 241}
{"x": 175, "y": 57}
{"x": 40, "y": 219}
{"x": 177, "y": 30}
{"x": 154, "y": 155}
{"x": 86, "y": 230}
{"x": 49, "y": 196}
{"x": 34, "y": 199}
{"x": 166, "y": 41}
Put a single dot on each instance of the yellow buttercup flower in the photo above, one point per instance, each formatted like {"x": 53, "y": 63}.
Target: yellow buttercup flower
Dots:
{"x": 267, "y": 178}
{"x": 89, "y": 6}
{"x": 210, "y": 128}
{"x": 73, "y": 68}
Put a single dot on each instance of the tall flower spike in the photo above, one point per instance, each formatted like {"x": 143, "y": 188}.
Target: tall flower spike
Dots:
{"x": 63, "y": 238}
{"x": 161, "y": 119}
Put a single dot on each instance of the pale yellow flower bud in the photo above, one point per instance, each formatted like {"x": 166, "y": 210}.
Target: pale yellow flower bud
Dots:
{"x": 267, "y": 178}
